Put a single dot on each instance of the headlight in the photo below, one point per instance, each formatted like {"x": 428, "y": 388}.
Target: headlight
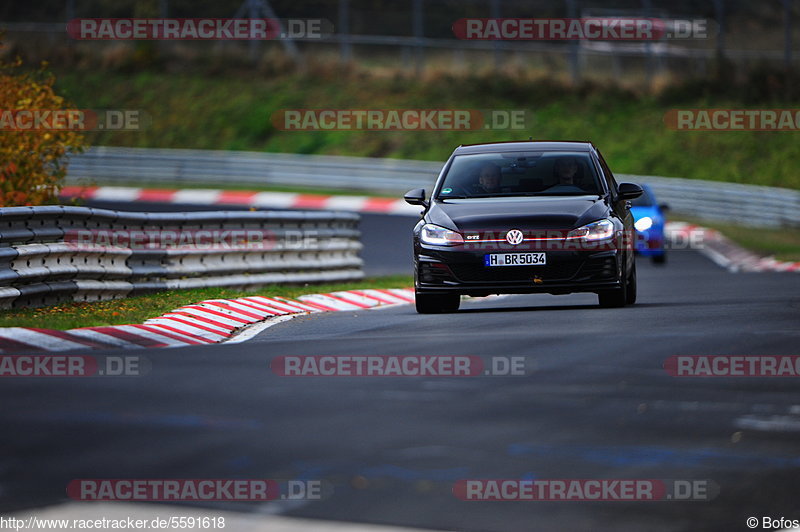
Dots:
{"x": 439, "y": 236}
{"x": 599, "y": 230}
{"x": 643, "y": 224}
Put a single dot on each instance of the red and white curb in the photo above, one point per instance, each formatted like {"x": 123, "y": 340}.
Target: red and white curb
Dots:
{"x": 206, "y": 322}
{"x": 723, "y": 251}
{"x": 249, "y": 198}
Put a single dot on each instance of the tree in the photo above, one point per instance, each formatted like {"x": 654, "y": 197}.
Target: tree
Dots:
{"x": 33, "y": 163}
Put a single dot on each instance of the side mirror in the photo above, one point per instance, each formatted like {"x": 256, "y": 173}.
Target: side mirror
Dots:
{"x": 416, "y": 197}
{"x": 664, "y": 207}
{"x": 629, "y": 191}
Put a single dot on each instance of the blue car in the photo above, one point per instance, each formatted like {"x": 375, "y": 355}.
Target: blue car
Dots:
{"x": 649, "y": 223}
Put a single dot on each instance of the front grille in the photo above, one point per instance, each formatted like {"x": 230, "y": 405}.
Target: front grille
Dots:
{"x": 470, "y": 273}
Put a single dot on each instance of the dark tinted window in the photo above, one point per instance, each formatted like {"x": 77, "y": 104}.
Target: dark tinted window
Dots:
{"x": 611, "y": 182}
{"x": 520, "y": 174}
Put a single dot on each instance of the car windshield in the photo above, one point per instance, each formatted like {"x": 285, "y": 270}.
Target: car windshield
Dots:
{"x": 520, "y": 174}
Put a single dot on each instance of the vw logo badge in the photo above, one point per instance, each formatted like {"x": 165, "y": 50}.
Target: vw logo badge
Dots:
{"x": 514, "y": 237}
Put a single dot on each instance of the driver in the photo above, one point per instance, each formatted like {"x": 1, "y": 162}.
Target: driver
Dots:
{"x": 566, "y": 169}
{"x": 488, "y": 179}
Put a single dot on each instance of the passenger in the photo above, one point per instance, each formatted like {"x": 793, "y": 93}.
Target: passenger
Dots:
{"x": 488, "y": 179}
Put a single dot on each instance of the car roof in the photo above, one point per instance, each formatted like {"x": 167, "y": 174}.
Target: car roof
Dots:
{"x": 527, "y": 145}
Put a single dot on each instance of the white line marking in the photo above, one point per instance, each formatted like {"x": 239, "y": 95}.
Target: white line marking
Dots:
{"x": 249, "y": 332}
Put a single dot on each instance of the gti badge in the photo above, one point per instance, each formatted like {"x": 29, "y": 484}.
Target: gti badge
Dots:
{"x": 514, "y": 237}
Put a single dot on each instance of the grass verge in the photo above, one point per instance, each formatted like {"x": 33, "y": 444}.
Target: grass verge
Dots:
{"x": 191, "y": 111}
{"x": 783, "y": 244}
{"x": 138, "y": 309}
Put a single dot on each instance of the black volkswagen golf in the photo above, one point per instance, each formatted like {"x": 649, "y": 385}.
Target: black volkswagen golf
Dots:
{"x": 524, "y": 217}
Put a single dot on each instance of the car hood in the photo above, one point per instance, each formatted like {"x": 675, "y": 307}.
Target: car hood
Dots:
{"x": 520, "y": 213}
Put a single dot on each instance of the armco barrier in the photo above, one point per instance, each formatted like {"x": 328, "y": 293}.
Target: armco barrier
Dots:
{"x": 750, "y": 205}
{"x": 710, "y": 200}
{"x": 51, "y": 254}
{"x": 111, "y": 165}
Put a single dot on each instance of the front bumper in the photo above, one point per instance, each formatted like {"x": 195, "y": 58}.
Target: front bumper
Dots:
{"x": 440, "y": 270}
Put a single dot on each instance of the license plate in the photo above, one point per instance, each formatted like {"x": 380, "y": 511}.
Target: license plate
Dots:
{"x": 514, "y": 259}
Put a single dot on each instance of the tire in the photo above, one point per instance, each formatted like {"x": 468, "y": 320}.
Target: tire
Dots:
{"x": 630, "y": 289}
{"x": 659, "y": 259}
{"x": 616, "y": 298}
{"x": 437, "y": 303}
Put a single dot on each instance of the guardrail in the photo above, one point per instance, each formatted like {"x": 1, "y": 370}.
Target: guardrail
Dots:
{"x": 709, "y": 200}
{"x": 211, "y": 167}
{"x": 751, "y": 205}
{"x": 52, "y": 254}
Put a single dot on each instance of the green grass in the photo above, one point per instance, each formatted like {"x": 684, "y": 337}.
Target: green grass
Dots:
{"x": 192, "y": 111}
{"x": 138, "y": 309}
{"x": 783, "y": 244}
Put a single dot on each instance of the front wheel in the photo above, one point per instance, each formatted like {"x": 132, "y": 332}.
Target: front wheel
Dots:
{"x": 437, "y": 303}
{"x": 630, "y": 290}
{"x": 619, "y": 297}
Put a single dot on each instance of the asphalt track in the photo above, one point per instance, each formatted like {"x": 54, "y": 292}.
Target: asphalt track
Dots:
{"x": 597, "y": 404}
